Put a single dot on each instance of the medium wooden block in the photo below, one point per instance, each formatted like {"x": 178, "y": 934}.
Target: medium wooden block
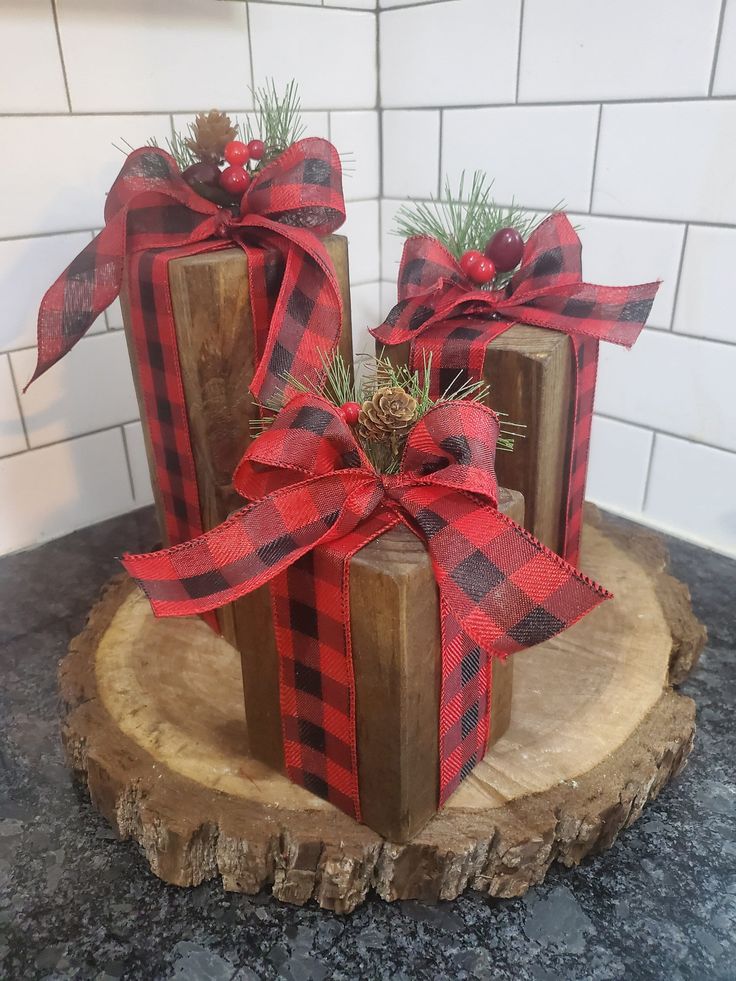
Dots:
{"x": 530, "y": 374}
{"x": 214, "y": 326}
{"x": 396, "y": 658}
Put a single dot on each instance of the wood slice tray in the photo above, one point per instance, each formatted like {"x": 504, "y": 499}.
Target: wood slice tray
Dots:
{"x": 153, "y": 723}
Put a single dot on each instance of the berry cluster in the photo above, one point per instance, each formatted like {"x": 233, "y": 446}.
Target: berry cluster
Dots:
{"x": 502, "y": 253}
{"x": 235, "y": 178}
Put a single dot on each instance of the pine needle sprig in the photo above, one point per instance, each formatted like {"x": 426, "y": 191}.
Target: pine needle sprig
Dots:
{"x": 178, "y": 148}
{"x": 276, "y": 118}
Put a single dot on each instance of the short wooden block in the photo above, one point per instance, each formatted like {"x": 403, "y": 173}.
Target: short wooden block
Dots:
{"x": 396, "y": 657}
{"x": 211, "y": 303}
{"x": 530, "y": 374}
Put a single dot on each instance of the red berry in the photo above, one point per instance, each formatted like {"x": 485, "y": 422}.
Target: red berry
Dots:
{"x": 505, "y": 249}
{"x": 234, "y": 180}
{"x": 469, "y": 261}
{"x": 236, "y": 152}
{"x": 483, "y": 272}
{"x": 256, "y": 149}
{"x": 350, "y": 412}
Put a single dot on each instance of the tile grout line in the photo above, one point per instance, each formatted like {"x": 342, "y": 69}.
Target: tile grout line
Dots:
{"x": 16, "y": 392}
{"x": 440, "y": 156}
{"x": 518, "y": 52}
{"x": 648, "y": 477}
{"x": 55, "y": 15}
{"x": 595, "y": 157}
{"x": 678, "y": 280}
{"x": 72, "y": 439}
{"x": 250, "y": 48}
{"x": 717, "y": 48}
{"x": 126, "y": 451}
{"x": 665, "y": 432}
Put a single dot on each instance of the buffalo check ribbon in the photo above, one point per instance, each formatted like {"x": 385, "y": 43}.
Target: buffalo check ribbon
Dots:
{"x": 153, "y": 216}
{"x": 440, "y": 313}
{"x": 315, "y": 501}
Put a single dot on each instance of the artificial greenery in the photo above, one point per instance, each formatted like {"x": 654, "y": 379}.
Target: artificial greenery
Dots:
{"x": 465, "y": 219}
{"x": 340, "y": 386}
{"x": 276, "y": 118}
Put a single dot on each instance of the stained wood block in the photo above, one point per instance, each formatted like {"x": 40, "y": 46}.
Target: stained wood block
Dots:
{"x": 211, "y": 304}
{"x": 530, "y": 373}
{"x": 153, "y": 725}
{"x": 396, "y": 655}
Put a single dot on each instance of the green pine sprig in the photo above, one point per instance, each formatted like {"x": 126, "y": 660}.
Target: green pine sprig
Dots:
{"x": 277, "y": 118}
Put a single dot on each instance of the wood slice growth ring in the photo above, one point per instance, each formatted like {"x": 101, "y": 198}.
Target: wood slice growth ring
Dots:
{"x": 153, "y": 722}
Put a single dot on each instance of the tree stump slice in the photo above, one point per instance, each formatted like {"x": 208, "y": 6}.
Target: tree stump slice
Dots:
{"x": 153, "y": 724}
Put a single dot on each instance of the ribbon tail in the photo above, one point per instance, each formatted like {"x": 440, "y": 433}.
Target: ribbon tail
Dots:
{"x": 86, "y": 287}
{"x": 252, "y": 546}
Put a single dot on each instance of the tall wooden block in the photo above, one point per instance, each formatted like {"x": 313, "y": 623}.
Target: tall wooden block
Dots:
{"x": 214, "y": 327}
{"x": 530, "y": 374}
{"x": 395, "y": 633}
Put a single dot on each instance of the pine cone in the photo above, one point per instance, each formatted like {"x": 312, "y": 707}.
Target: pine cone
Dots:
{"x": 387, "y": 417}
{"x": 211, "y": 131}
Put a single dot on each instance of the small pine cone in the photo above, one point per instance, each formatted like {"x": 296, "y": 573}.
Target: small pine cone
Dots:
{"x": 387, "y": 416}
{"x": 211, "y": 131}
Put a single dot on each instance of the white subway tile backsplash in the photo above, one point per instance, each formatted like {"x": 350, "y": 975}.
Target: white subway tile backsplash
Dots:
{"x": 537, "y": 156}
{"x": 411, "y": 153}
{"x": 89, "y": 389}
{"x": 31, "y": 77}
{"x": 12, "y": 438}
{"x": 388, "y": 298}
{"x": 136, "y": 448}
{"x": 148, "y": 55}
{"x": 352, "y": 4}
{"x": 27, "y": 268}
{"x": 331, "y": 53}
{"x": 704, "y": 301}
{"x": 366, "y": 310}
{"x": 691, "y": 492}
{"x": 619, "y": 252}
{"x": 355, "y": 134}
{"x": 51, "y": 491}
{"x": 575, "y": 50}
{"x": 361, "y": 228}
{"x": 450, "y": 54}
{"x": 724, "y": 82}
{"x": 675, "y": 384}
{"x": 668, "y": 160}
{"x": 619, "y": 460}
{"x": 391, "y": 245}
{"x": 85, "y": 163}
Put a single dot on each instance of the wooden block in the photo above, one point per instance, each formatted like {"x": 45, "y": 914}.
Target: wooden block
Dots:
{"x": 214, "y": 328}
{"x": 530, "y": 373}
{"x": 396, "y": 656}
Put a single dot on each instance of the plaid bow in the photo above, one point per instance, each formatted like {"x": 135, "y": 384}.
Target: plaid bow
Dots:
{"x": 441, "y": 313}
{"x": 316, "y": 501}
{"x": 152, "y": 216}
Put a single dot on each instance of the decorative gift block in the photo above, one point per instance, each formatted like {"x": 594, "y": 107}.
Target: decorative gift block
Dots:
{"x": 396, "y": 653}
{"x": 318, "y": 500}
{"x": 445, "y": 321}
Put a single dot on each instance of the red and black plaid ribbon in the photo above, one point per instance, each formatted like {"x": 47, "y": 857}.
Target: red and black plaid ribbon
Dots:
{"x": 153, "y": 216}
{"x": 441, "y": 313}
{"x": 316, "y": 501}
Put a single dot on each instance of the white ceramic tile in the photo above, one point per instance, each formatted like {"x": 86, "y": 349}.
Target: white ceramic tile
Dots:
{"x": 575, "y": 50}
{"x": 51, "y": 491}
{"x": 31, "y": 79}
{"x": 352, "y": 4}
{"x": 332, "y": 53}
{"x": 12, "y": 439}
{"x": 138, "y": 460}
{"x": 91, "y": 388}
{"x": 391, "y": 245}
{"x": 705, "y": 299}
{"x": 411, "y": 152}
{"x": 366, "y": 309}
{"x": 450, "y": 54}
{"x": 675, "y": 384}
{"x": 619, "y": 459}
{"x": 355, "y": 134}
{"x": 388, "y": 298}
{"x": 85, "y": 163}
{"x": 391, "y": 4}
{"x": 146, "y": 55}
{"x": 617, "y": 252}
{"x": 27, "y": 268}
{"x": 361, "y": 228}
{"x": 668, "y": 160}
{"x": 724, "y": 82}
{"x": 537, "y": 156}
{"x": 691, "y": 492}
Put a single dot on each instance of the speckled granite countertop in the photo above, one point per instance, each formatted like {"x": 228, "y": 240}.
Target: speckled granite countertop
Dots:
{"x": 76, "y": 903}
